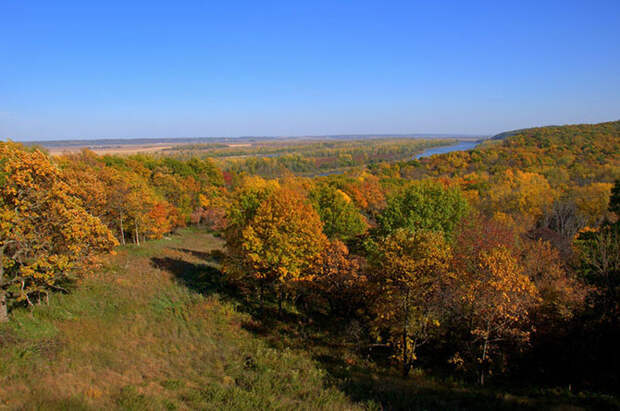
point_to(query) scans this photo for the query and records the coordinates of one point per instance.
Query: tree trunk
(4, 312)
(332, 309)
(280, 298)
(137, 235)
(484, 354)
(405, 336)
(122, 230)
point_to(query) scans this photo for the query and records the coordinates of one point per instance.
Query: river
(460, 146)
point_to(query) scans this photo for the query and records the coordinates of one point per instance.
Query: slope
(147, 332)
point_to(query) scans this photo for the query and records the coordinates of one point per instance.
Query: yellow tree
(82, 172)
(495, 297)
(176, 190)
(118, 188)
(139, 201)
(521, 192)
(592, 201)
(410, 273)
(45, 233)
(246, 199)
(283, 240)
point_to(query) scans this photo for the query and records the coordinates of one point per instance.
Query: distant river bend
(460, 146)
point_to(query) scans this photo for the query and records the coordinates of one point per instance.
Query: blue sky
(231, 68)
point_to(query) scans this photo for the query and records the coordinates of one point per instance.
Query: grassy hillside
(146, 333)
(158, 329)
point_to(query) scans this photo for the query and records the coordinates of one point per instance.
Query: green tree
(423, 205)
(341, 219)
(599, 264)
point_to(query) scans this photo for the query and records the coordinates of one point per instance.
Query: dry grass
(143, 334)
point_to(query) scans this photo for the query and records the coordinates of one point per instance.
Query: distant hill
(583, 138)
(503, 135)
(574, 154)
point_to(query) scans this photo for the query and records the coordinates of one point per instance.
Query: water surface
(460, 146)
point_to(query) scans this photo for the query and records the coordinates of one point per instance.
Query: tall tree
(410, 272)
(494, 298)
(281, 242)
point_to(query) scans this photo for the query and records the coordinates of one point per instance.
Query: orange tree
(339, 281)
(494, 298)
(122, 199)
(45, 233)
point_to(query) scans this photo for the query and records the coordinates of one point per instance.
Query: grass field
(137, 336)
(157, 328)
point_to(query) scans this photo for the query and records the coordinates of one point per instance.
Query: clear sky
(115, 69)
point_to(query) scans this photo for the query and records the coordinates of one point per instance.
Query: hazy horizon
(317, 136)
(300, 136)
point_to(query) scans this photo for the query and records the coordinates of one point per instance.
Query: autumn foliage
(499, 261)
(45, 232)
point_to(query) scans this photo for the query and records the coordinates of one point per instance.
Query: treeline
(277, 159)
(143, 197)
(478, 263)
(58, 213)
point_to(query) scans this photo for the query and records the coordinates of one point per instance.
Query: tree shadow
(417, 392)
(214, 256)
(202, 278)
(363, 381)
(368, 378)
